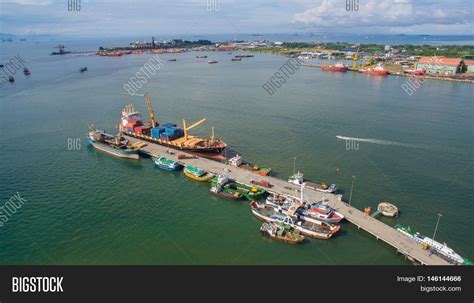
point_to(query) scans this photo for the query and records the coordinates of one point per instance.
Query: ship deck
(404, 245)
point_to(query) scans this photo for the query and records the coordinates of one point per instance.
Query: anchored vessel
(168, 134)
(378, 70)
(441, 249)
(338, 67)
(114, 145)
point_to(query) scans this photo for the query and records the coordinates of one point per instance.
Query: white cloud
(380, 13)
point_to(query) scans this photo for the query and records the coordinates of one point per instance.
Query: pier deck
(408, 247)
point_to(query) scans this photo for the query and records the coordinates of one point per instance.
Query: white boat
(442, 249)
(236, 160)
(298, 179)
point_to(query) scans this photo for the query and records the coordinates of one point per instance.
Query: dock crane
(356, 57)
(186, 128)
(149, 106)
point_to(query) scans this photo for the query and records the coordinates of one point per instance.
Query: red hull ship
(379, 70)
(338, 67)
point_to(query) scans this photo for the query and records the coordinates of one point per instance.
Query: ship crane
(186, 128)
(149, 106)
(356, 57)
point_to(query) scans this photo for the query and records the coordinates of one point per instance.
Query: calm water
(86, 207)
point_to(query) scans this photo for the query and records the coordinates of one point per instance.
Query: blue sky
(189, 17)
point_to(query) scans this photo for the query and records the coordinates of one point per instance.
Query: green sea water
(86, 207)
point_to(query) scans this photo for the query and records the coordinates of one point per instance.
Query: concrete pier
(408, 247)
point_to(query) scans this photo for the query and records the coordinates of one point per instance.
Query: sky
(115, 18)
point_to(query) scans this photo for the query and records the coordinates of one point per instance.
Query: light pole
(294, 165)
(436, 228)
(352, 187)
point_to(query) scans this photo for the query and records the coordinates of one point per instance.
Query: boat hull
(130, 154)
(205, 178)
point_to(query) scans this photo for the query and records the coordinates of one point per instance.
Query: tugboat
(114, 145)
(26, 71)
(197, 174)
(166, 163)
(281, 232)
(379, 70)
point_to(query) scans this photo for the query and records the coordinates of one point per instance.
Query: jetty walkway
(403, 244)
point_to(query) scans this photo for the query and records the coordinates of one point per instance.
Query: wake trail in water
(377, 141)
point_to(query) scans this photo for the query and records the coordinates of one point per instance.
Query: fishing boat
(281, 232)
(114, 145)
(197, 174)
(338, 67)
(378, 70)
(212, 62)
(298, 179)
(441, 249)
(219, 188)
(26, 71)
(320, 211)
(166, 163)
(268, 214)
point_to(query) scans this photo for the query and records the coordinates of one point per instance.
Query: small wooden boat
(387, 209)
(281, 232)
(197, 174)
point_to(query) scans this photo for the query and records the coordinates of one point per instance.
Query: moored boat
(114, 145)
(320, 231)
(281, 232)
(298, 179)
(378, 70)
(166, 163)
(441, 249)
(197, 174)
(320, 211)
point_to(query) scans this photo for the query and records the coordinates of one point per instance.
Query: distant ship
(61, 50)
(212, 62)
(26, 71)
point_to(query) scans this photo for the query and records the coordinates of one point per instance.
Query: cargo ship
(168, 134)
(114, 145)
(338, 67)
(429, 244)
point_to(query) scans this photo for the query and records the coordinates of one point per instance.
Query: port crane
(186, 128)
(149, 106)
